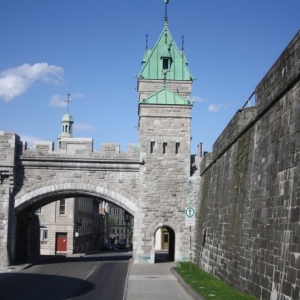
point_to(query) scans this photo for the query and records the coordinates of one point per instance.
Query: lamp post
(127, 219)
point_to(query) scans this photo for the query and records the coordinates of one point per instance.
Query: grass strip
(208, 286)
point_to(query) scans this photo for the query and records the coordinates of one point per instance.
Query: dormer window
(166, 63)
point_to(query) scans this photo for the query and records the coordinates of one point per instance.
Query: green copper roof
(165, 96)
(165, 47)
(67, 118)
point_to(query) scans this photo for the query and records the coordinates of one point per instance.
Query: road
(97, 276)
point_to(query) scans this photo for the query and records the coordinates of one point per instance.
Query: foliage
(111, 224)
(208, 286)
(130, 232)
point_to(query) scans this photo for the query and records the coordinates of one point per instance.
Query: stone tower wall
(9, 143)
(248, 222)
(147, 87)
(164, 185)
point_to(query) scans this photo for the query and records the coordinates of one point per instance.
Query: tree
(111, 224)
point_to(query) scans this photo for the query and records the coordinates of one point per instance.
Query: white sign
(190, 216)
(190, 222)
(190, 212)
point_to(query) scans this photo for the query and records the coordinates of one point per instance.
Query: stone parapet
(206, 161)
(283, 74)
(8, 143)
(79, 147)
(234, 128)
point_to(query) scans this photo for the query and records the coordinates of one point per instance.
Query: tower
(164, 87)
(66, 125)
(165, 62)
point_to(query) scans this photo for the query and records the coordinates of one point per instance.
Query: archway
(164, 244)
(30, 231)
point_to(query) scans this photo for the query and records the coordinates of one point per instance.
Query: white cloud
(75, 96)
(60, 101)
(195, 98)
(16, 81)
(83, 127)
(216, 108)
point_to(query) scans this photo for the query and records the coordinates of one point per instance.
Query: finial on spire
(165, 79)
(68, 102)
(182, 47)
(146, 41)
(166, 11)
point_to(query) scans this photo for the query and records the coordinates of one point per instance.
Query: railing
(248, 102)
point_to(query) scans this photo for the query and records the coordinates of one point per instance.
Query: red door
(61, 242)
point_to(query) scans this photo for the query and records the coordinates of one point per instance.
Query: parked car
(122, 244)
(108, 246)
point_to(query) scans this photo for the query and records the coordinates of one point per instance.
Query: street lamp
(127, 219)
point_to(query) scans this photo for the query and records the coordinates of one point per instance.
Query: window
(165, 147)
(166, 238)
(152, 145)
(44, 234)
(165, 63)
(177, 145)
(62, 206)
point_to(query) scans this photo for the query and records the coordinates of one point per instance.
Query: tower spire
(166, 12)
(146, 41)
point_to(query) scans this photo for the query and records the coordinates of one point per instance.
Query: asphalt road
(97, 276)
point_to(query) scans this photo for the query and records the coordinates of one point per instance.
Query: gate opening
(164, 244)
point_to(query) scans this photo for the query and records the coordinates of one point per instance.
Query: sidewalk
(155, 282)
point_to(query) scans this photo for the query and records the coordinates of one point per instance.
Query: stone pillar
(8, 143)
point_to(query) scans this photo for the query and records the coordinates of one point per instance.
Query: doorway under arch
(164, 244)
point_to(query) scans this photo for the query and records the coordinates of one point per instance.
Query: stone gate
(154, 181)
(31, 178)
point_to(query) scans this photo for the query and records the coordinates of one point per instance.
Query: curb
(186, 286)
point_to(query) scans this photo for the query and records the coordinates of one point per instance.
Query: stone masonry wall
(248, 221)
(147, 88)
(8, 145)
(165, 176)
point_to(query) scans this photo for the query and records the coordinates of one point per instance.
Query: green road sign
(190, 212)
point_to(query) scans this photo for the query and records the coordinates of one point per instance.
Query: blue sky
(93, 50)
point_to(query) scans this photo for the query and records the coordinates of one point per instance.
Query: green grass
(208, 286)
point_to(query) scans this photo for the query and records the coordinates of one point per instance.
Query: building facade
(68, 226)
(119, 227)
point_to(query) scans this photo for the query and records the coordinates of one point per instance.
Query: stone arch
(113, 194)
(154, 226)
(158, 223)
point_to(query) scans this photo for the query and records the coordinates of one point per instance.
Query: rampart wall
(248, 221)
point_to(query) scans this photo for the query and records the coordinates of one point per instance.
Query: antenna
(68, 102)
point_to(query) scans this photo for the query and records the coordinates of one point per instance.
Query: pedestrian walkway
(155, 282)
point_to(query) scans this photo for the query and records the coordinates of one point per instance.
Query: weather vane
(166, 10)
(147, 41)
(68, 102)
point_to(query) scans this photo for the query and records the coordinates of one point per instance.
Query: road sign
(190, 222)
(190, 216)
(190, 212)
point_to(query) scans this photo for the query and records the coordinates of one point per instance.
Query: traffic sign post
(190, 216)
(190, 221)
